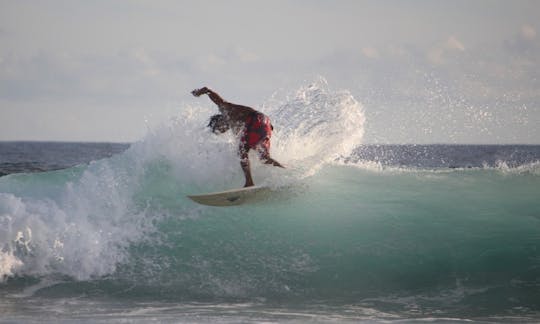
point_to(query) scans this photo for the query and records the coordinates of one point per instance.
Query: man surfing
(253, 126)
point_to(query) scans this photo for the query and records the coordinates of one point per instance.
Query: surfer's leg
(264, 154)
(244, 163)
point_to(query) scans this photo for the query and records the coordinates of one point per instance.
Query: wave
(500, 166)
(80, 222)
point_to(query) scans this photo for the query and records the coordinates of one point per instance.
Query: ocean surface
(94, 232)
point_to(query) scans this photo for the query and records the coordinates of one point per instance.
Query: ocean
(100, 232)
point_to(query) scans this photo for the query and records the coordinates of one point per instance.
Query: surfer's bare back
(254, 127)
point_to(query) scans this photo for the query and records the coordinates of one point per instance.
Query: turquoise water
(452, 243)
(340, 239)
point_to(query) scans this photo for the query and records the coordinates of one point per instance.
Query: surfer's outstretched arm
(211, 94)
(222, 104)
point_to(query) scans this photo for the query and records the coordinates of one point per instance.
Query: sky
(425, 71)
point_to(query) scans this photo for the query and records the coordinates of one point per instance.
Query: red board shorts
(256, 135)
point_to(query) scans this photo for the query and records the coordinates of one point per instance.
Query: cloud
(528, 32)
(124, 77)
(246, 56)
(148, 65)
(226, 58)
(524, 44)
(440, 53)
(370, 52)
(454, 44)
(435, 56)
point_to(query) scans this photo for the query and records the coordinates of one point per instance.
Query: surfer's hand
(198, 92)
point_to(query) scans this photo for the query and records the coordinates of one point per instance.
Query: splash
(316, 126)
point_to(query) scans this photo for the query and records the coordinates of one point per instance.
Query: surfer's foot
(273, 162)
(249, 185)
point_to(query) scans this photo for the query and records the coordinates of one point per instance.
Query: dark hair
(218, 124)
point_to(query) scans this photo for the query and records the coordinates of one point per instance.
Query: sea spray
(317, 125)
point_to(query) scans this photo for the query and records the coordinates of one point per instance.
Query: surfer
(253, 126)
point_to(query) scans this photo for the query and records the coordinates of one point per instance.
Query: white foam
(81, 232)
(532, 168)
(500, 166)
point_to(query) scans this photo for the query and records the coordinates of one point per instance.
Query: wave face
(343, 227)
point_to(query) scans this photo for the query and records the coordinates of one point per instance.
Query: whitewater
(351, 234)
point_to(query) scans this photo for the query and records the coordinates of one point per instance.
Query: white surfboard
(231, 197)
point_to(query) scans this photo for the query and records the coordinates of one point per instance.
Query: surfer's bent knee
(244, 161)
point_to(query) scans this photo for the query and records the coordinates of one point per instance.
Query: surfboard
(231, 197)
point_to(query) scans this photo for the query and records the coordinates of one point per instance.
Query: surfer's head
(218, 124)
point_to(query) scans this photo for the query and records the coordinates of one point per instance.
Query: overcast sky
(425, 71)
